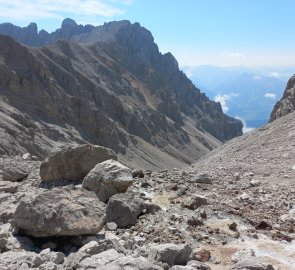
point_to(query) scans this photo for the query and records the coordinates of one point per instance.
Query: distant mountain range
(249, 94)
(107, 85)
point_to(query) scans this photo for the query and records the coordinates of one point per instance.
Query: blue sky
(198, 32)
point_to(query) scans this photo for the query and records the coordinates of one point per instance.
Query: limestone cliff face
(110, 86)
(287, 102)
(134, 48)
(30, 36)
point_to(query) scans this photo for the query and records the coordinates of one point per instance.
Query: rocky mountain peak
(33, 28)
(110, 86)
(70, 23)
(287, 102)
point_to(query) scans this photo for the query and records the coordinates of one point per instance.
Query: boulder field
(114, 218)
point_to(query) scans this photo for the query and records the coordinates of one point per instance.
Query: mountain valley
(111, 158)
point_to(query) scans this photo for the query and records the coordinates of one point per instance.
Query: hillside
(232, 210)
(106, 85)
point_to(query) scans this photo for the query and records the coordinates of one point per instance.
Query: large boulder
(94, 247)
(251, 264)
(74, 162)
(100, 260)
(124, 208)
(60, 212)
(108, 178)
(14, 174)
(111, 259)
(171, 254)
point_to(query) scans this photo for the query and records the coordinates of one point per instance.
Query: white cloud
(44, 9)
(188, 71)
(246, 129)
(235, 55)
(222, 99)
(278, 74)
(270, 95)
(125, 2)
(257, 77)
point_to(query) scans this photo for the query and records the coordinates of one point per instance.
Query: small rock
(197, 202)
(195, 221)
(54, 257)
(91, 248)
(8, 187)
(255, 183)
(203, 214)
(237, 176)
(124, 208)
(244, 196)
(249, 174)
(24, 266)
(138, 240)
(26, 156)
(263, 225)
(171, 254)
(146, 184)
(202, 255)
(203, 178)
(138, 173)
(233, 226)
(148, 172)
(48, 266)
(111, 226)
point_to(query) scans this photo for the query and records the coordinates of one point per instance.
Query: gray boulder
(202, 178)
(73, 162)
(195, 266)
(8, 187)
(130, 263)
(99, 261)
(51, 256)
(251, 264)
(112, 260)
(92, 248)
(124, 208)
(14, 174)
(171, 254)
(60, 211)
(108, 178)
(196, 202)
